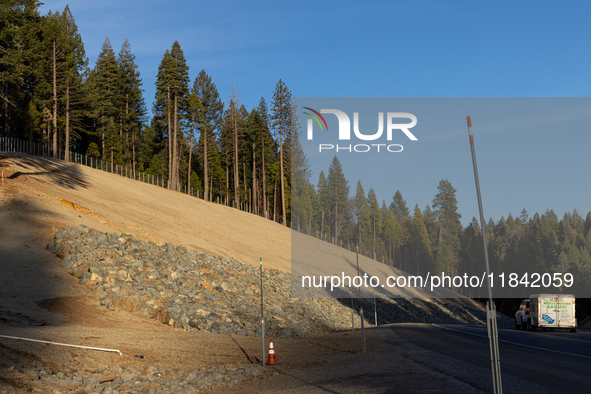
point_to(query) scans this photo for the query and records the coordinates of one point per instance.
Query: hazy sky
(386, 49)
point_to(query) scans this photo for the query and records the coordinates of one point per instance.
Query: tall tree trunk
(227, 179)
(211, 189)
(67, 144)
(336, 215)
(235, 144)
(275, 200)
(103, 155)
(205, 175)
(284, 219)
(190, 152)
(169, 136)
(127, 130)
(6, 111)
(254, 172)
(175, 155)
(263, 177)
(54, 102)
(133, 153)
(112, 143)
(5, 107)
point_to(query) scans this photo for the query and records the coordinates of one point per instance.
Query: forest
(433, 239)
(248, 159)
(188, 136)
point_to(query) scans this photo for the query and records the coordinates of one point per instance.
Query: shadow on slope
(58, 172)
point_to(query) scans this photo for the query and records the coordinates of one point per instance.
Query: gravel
(198, 291)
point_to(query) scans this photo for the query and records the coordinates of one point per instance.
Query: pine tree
(375, 216)
(267, 149)
(424, 255)
(445, 210)
(338, 191)
(132, 97)
(171, 92)
(300, 180)
(362, 214)
(323, 202)
(74, 70)
(398, 206)
(392, 235)
(20, 60)
(196, 120)
(281, 120)
(213, 109)
(107, 83)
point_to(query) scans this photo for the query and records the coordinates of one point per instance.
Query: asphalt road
(536, 361)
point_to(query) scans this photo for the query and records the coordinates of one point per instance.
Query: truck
(547, 311)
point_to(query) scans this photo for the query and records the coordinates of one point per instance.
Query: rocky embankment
(202, 292)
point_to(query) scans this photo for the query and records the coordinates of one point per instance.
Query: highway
(531, 361)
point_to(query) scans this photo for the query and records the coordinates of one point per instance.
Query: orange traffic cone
(271, 360)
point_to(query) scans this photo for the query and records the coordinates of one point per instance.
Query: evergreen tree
(171, 93)
(398, 206)
(392, 235)
(281, 120)
(107, 85)
(300, 181)
(375, 217)
(75, 66)
(196, 120)
(213, 109)
(20, 63)
(362, 214)
(338, 191)
(423, 253)
(133, 116)
(445, 208)
(323, 203)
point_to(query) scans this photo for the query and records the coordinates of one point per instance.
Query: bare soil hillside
(38, 299)
(76, 194)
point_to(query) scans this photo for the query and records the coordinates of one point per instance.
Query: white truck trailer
(547, 311)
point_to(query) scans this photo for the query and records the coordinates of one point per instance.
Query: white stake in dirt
(262, 313)
(63, 344)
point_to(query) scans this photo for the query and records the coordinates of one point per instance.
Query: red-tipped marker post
(491, 314)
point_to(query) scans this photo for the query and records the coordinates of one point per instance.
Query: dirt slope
(110, 202)
(38, 299)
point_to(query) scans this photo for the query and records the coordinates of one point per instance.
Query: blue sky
(385, 49)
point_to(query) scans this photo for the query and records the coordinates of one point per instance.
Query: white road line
(514, 343)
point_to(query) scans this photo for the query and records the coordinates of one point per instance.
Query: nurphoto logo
(345, 130)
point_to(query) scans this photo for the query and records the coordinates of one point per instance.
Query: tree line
(193, 139)
(433, 239)
(251, 160)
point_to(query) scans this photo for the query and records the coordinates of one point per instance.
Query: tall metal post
(360, 304)
(491, 315)
(262, 314)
